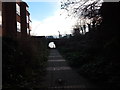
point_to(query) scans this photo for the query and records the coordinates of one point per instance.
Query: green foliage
(94, 57)
(24, 62)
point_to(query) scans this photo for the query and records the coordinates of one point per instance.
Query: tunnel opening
(51, 45)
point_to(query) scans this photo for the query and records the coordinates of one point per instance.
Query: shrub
(24, 62)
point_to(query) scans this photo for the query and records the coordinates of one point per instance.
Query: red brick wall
(0, 18)
(9, 24)
(23, 19)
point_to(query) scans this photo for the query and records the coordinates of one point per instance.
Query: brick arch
(52, 40)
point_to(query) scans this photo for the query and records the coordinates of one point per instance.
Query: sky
(47, 19)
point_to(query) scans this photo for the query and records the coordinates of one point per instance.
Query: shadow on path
(60, 75)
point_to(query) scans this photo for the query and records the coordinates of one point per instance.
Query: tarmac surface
(61, 75)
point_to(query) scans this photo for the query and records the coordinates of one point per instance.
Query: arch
(52, 45)
(52, 40)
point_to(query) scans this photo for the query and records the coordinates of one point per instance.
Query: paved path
(60, 75)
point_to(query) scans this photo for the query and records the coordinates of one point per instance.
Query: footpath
(61, 75)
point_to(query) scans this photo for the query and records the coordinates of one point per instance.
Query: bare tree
(83, 9)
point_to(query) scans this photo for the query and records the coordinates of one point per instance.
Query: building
(0, 18)
(15, 19)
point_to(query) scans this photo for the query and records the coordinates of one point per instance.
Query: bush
(94, 56)
(24, 62)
